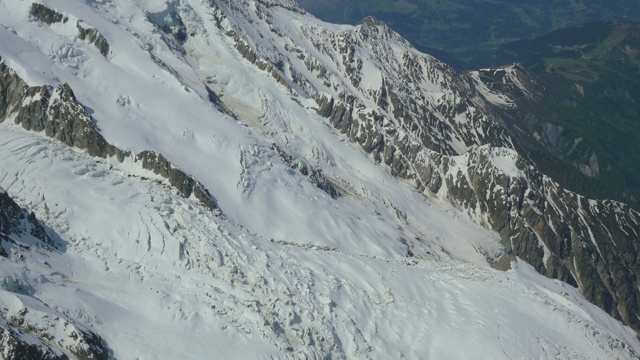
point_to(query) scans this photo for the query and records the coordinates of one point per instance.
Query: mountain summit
(237, 179)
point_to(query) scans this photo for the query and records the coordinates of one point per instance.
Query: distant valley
(466, 33)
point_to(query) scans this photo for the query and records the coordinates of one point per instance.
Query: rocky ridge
(417, 116)
(57, 112)
(587, 243)
(16, 224)
(87, 33)
(368, 262)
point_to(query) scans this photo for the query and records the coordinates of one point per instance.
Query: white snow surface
(505, 161)
(287, 271)
(490, 95)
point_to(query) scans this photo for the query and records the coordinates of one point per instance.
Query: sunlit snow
(286, 271)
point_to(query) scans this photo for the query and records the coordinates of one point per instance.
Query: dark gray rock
(590, 244)
(12, 90)
(58, 113)
(49, 16)
(92, 36)
(594, 245)
(16, 223)
(15, 346)
(185, 184)
(218, 103)
(33, 113)
(46, 15)
(68, 121)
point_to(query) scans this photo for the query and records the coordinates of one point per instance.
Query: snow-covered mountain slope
(411, 112)
(160, 277)
(207, 194)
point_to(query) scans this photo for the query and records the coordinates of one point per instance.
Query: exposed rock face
(590, 244)
(219, 104)
(46, 15)
(15, 223)
(184, 183)
(416, 116)
(57, 112)
(92, 36)
(15, 345)
(87, 33)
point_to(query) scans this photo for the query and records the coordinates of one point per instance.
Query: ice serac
(443, 131)
(296, 127)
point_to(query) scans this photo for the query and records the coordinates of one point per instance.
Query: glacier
(283, 269)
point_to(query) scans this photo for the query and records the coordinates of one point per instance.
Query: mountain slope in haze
(472, 30)
(345, 216)
(587, 114)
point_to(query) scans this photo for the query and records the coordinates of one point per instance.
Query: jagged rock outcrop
(92, 36)
(57, 112)
(359, 75)
(16, 223)
(15, 344)
(184, 183)
(218, 103)
(46, 15)
(87, 33)
(587, 243)
(417, 116)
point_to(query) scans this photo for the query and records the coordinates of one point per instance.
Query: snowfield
(285, 271)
